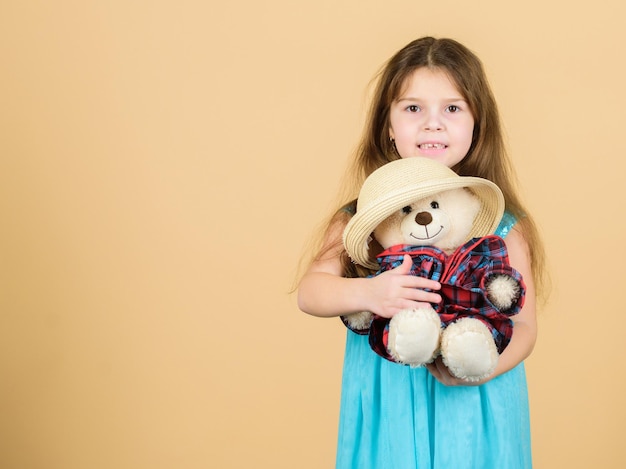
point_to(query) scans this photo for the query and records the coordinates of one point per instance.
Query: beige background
(162, 164)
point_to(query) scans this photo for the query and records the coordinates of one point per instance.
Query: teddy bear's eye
(406, 210)
(434, 204)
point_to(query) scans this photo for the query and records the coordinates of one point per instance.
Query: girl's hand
(396, 290)
(441, 373)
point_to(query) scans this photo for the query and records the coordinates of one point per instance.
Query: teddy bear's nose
(423, 218)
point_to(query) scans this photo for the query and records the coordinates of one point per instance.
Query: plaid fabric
(462, 275)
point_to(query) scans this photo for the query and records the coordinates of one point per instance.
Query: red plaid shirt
(462, 276)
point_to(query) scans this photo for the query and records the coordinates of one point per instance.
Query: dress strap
(349, 208)
(506, 224)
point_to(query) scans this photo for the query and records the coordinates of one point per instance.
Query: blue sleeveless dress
(397, 417)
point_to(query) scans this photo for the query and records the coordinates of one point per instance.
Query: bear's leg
(468, 349)
(414, 336)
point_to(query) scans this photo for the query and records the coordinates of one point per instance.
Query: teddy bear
(445, 223)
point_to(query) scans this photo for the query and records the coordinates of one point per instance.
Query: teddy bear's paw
(358, 322)
(414, 336)
(503, 291)
(468, 349)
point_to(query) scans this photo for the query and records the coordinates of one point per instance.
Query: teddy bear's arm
(504, 291)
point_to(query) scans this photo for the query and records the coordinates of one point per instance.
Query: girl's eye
(434, 204)
(406, 210)
(453, 108)
(413, 108)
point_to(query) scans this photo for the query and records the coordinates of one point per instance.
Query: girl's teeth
(428, 146)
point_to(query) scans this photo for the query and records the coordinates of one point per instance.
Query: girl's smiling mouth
(432, 146)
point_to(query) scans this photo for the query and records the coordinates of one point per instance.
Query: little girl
(432, 100)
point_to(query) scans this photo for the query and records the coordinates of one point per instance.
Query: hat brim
(360, 228)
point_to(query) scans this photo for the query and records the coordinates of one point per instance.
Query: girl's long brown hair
(487, 156)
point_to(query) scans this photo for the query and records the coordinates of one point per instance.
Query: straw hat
(401, 182)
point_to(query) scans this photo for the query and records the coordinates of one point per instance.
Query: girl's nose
(433, 122)
(423, 218)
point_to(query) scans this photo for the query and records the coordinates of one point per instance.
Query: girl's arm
(525, 322)
(325, 292)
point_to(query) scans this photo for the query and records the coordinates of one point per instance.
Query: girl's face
(431, 118)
